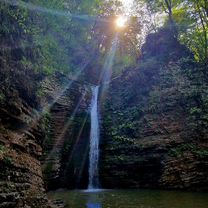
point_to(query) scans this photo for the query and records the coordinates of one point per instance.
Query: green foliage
(45, 120)
(45, 123)
(199, 119)
(192, 148)
(150, 64)
(182, 83)
(14, 20)
(122, 62)
(189, 22)
(2, 149)
(2, 98)
(48, 169)
(122, 124)
(7, 160)
(40, 92)
(53, 37)
(66, 148)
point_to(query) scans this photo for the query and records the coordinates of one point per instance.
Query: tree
(188, 20)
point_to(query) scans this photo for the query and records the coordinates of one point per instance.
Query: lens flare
(121, 21)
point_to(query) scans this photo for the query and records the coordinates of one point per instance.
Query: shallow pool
(131, 199)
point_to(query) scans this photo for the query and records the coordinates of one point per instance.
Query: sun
(121, 21)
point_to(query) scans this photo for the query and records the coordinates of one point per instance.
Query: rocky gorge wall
(154, 133)
(66, 146)
(36, 141)
(151, 137)
(42, 119)
(21, 133)
(34, 111)
(21, 173)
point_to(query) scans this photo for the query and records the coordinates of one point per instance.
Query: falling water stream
(94, 142)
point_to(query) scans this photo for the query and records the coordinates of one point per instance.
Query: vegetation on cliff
(153, 118)
(151, 62)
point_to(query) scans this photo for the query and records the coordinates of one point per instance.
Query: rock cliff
(154, 125)
(66, 145)
(37, 115)
(37, 134)
(21, 136)
(149, 134)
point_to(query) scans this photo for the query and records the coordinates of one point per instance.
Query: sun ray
(76, 143)
(32, 7)
(58, 145)
(83, 163)
(108, 64)
(37, 115)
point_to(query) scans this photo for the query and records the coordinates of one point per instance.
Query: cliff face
(34, 110)
(21, 174)
(43, 125)
(42, 133)
(40, 114)
(21, 135)
(66, 145)
(154, 127)
(152, 136)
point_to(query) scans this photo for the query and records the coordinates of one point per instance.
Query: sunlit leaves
(189, 19)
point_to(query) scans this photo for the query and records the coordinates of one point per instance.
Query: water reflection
(131, 199)
(93, 199)
(94, 205)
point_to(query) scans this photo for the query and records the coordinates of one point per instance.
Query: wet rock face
(66, 148)
(47, 134)
(186, 172)
(21, 132)
(20, 152)
(147, 135)
(35, 119)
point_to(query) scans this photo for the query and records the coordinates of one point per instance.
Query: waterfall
(94, 142)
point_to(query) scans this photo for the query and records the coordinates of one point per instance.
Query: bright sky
(127, 5)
